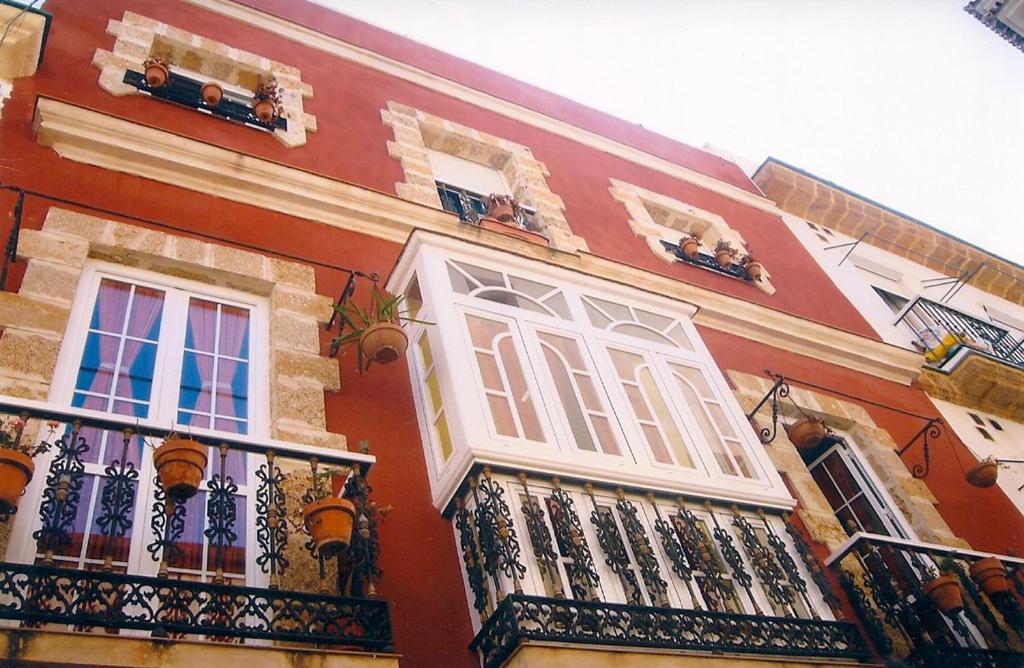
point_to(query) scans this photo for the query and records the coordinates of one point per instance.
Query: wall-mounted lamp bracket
(779, 390)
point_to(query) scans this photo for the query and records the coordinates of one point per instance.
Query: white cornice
(341, 49)
(94, 138)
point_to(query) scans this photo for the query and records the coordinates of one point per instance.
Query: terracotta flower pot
(157, 75)
(329, 521)
(384, 342)
(690, 247)
(503, 211)
(212, 93)
(513, 230)
(180, 464)
(264, 110)
(754, 270)
(806, 433)
(944, 591)
(984, 473)
(724, 258)
(16, 469)
(990, 574)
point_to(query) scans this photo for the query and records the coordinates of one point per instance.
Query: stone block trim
(139, 37)
(415, 131)
(981, 383)
(913, 498)
(655, 218)
(35, 319)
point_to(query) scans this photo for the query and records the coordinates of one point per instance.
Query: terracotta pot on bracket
(157, 75)
(990, 574)
(806, 433)
(16, 469)
(265, 110)
(329, 521)
(384, 342)
(690, 247)
(944, 592)
(212, 93)
(983, 474)
(181, 465)
(724, 258)
(754, 270)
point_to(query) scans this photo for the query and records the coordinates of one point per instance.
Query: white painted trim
(341, 49)
(954, 552)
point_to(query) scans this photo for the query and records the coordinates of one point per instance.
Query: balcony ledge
(976, 380)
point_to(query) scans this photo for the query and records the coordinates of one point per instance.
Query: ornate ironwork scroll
(364, 553)
(969, 586)
(495, 533)
(583, 577)
(63, 491)
(817, 574)
(220, 513)
(471, 557)
(700, 552)
(732, 557)
(865, 608)
(271, 527)
(768, 572)
(932, 429)
(168, 524)
(117, 500)
(540, 538)
(673, 549)
(779, 390)
(787, 563)
(650, 571)
(616, 556)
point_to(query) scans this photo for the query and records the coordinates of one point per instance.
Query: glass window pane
(570, 403)
(520, 392)
(697, 408)
(460, 282)
(232, 388)
(234, 332)
(201, 332)
(482, 331)
(527, 287)
(638, 403)
(196, 392)
(825, 485)
(658, 322)
(668, 425)
(96, 372)
(558, 304)
(642, 332)
(444, 436)
(657, 445)
(435, 392)
(502, 414)
(481, 275)
(605, 435)
(616, 311)
(588, 391)
(147, 306)
(567, 347)
(135, 377)
(598, 319)
(111, 306)
(844, 479)
(489, 371)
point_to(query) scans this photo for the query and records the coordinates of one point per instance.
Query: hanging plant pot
(724, 258)
(212, 93)
(690, 247)
(754, 270)
(16, 469)
(384, 342)
(157, 75)
(180, 464)
(329, 522)
(265, 110)
(944, 591)
(990, 574)
(984, 473)
(806, 433)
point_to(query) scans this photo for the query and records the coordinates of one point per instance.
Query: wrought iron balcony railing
(706, 261)
(940, 330)
(976, 619)
(92, 496)
(470, 207)
(573, 563)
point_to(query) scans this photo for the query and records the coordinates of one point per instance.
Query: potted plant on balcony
(690, 245)
(328, 518)
(984, 473)
(505, 215)
(212, 93)
(266, 101)
(807, 432)
(944, 590)
(181, 465)
(16, 466)
(157, 72)
(724, 253)
(990, 574)
(751, 267)
(376, 332)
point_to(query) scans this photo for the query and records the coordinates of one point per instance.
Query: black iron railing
(886, 580)
(940, 331)
(470, 207)
(520, 618)
(706, 261)
(51, 592)
(188, 93)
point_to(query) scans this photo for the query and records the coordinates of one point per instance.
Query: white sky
(912, 103)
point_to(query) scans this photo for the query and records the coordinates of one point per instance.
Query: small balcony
(971, 617)
(577, 568)
(111, 554)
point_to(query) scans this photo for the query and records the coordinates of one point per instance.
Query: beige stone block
(299, 365)
(296, 433)
(52, 247)
(188, 250)
(808, 492)
(237, 261)
(140, 20)
(823, 527)
(301, 403)
(139, 239)
(51, 281)
(72, 223)
(917, 488)
(309, 122)
(24, 388)
(300, 302)
(28, 355)
(292, 274)
(926, 519)
(29, 313)
(291, 331)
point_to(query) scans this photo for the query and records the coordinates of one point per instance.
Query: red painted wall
(351, 143)
(986, 518)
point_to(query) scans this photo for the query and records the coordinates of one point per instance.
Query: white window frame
(163, 401)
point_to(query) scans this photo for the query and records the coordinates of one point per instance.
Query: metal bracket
(779, 389)
(346, 292)
(931, 430)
